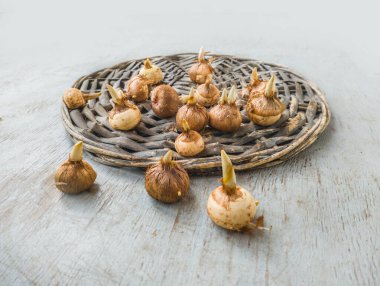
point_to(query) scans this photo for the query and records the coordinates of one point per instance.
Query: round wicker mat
(305, 118)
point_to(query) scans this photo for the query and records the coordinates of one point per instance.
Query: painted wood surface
(323, 205)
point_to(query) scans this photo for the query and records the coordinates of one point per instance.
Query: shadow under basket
(306, 116)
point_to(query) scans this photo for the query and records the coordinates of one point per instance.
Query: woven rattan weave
(305, 118)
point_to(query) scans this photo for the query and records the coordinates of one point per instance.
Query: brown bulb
(74, 98)
(75, 175)
(195, 114)
(201, 70)
(137, 89)
(189, 142)
(226, 115)
(167, 181)
(266, 109)
(165, 101)
(207, 94)
(255, 87)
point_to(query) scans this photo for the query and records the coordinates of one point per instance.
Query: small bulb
(125, 115)
(266, 109)
(151, 72)
(189, 142)
(195, 114)
(167, 181)
(230, 206)
(200, 71)
(226, 115)
(75, 175)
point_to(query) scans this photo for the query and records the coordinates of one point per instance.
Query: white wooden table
(323, 205)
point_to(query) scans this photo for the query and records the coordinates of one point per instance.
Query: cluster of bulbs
(229, 205)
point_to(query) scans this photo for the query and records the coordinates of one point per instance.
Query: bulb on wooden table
(231, 206)
(75, 175)
(207, 93)
(74, 98)
(195, 114)
(125, 115)
(189, 142)
(201, 70)
(167, 181)
(151, 72)
(226, 115)
(265, 109)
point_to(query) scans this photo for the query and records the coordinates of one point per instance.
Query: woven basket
(305, 118)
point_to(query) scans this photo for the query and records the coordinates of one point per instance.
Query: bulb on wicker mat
(195, 114)
(137, 88)
(231, 206)
(255, 87)
(189, 142)
(201, 70)
(226, 115)
(125, 115)
(152, 72)
(265, 109)
(164, 100)
(167, 181)
(74, 98)
(75, 175)
(207, 93)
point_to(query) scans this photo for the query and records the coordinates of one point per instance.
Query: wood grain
(323, 205)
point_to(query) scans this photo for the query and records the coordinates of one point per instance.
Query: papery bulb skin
(165, 101)
(226, 116)
(207, 94)
(74, 98)
(230, 206)
(266, 109)
(75, 175)
(151, 72)
(137, 89)
(189, 142)
(167, 181)
(255, 87)
(200, 71)
(124, 115)
(195, 114)
(232, 212)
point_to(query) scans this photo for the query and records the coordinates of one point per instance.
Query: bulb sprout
(201, 55)
(88, 96)
(271, 87)
(116, 96)
(148, 63)
(229, 177)
(254, 75)
(224, 97)
(185, 125)
(168, 157)
(191, 97)
(77, 152)
(232, 95)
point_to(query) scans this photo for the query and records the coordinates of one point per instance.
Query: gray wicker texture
(306, 116)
